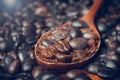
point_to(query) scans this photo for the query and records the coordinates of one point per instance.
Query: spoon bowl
(62, 67)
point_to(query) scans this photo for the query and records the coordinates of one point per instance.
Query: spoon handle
(93, 10)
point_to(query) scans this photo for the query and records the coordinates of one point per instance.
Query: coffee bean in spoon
(47, 42)
(79, 43)
(47, 53)
(62, 46)
(75, 33)
(63, 57)
(89, 35)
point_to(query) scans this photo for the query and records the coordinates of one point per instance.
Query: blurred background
(22, 22)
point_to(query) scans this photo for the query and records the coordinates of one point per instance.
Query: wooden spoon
(89, 20)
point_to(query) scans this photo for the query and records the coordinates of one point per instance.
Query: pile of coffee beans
(22, 24)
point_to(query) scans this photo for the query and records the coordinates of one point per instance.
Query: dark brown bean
(63, 57)
(78, 43)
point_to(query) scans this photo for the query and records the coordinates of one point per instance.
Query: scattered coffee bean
(8, 60)
(13, 67)
(73, 73)
(106, 72)
(27, 65)
(93, 68)
(23, 55)
(37, 71)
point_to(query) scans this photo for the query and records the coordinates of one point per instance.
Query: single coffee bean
(23, 55)
(2, 55)
(118, 50)
(31, 40)
(3, 45)
(8, 60)
(62, 46)
(109, 63)
(47, 42)
(75, 33)
(73, 73)
(37, 71)
(27, 65)
(78, 24)
(60, 33)
(31, 54)
(16, 36)
(13, 66)
(78, 43)
(105, 72)
(89, 35)
(102, 27)
(63, 57)
(92, 68)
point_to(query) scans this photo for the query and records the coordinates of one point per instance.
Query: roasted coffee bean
(63, 57)
(3, 45)
(22, 76)
(86, 30)
(8, 60)
(105, 72)
(37, 71)
(47, 53)
(109, 63)
(118, 50)
(31, 40)
(60, 34)
(89, 35)
(78, 24)
(31, 54)
(16, 36)
(75, 33)
(47, 42)
(13, 66)
(62, 46)
(41, 11)
(73, 73)
(28, 31)
(47, 76)
(93, 68)
(27, 65)
(102, 27)
(2, 55)
(23, 55)
(49, 22)
(78, 43)
(13, 54)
